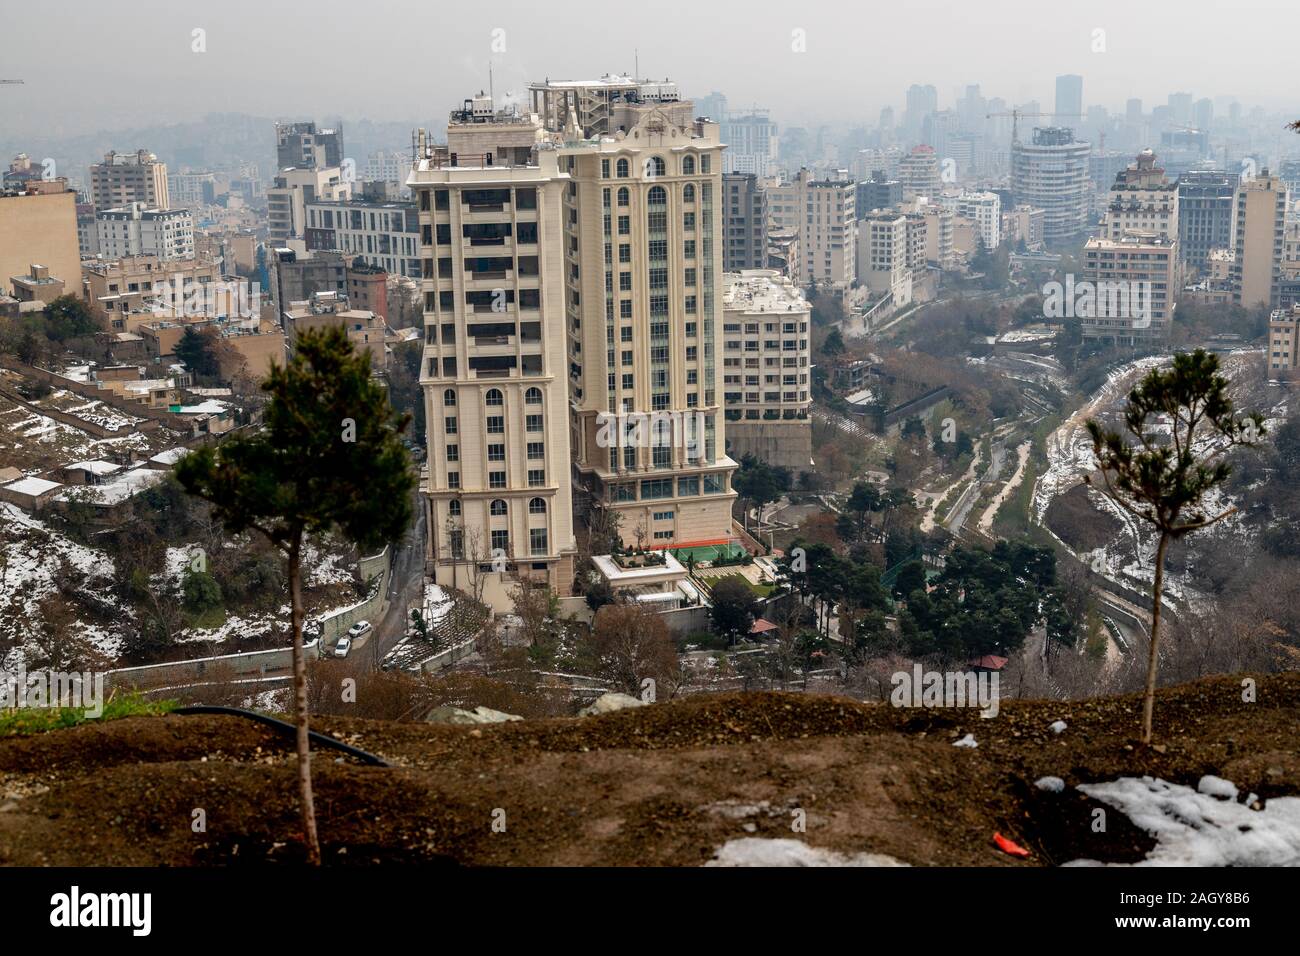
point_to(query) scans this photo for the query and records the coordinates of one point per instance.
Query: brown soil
(663, 785)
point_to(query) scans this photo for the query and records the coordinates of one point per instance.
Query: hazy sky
(113, 63)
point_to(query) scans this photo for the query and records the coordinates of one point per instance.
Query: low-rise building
(366, 330)
(135, 230)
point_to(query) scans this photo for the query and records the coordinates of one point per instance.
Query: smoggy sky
(106, 65)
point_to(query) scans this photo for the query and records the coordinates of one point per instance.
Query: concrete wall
(785, 444)
(40, 230)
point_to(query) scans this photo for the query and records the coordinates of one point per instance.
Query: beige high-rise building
(823, 211)
(919, 173)
(1142, 201)
(882, 255)
(125, 178)
(497, 486)
(1284, 344)
(1260, 240)
(40, 225)
(1129, 296)
(643, 214)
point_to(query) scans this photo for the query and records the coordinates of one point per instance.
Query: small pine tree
(1164, 484)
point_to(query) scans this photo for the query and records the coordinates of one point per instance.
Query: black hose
(285, 728)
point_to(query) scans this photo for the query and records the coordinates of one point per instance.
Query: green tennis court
(707, 553)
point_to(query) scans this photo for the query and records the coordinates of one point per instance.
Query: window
(622, 169)
(458, 545)
(496, 479)
(623, 195)
(688, 165)
(494, 397)
(537, 506)
(500, 542)
(449, 397)
(533, 396)
(624, 252)
(688, 193)
(498, 507)
(453, 479)
(496, 424)
(536, 450)
(449, 425)
(453, 453)
(655, 167)
(604, 169)
(658, 196)
(496, 452)
(704, 164)
(663, 516)
(537, 541)
(536, 477)
(656, 488)
(453, 508)
(533, 423)
(624, 225)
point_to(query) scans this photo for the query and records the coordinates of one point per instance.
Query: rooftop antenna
(491, 89)
(636, 63)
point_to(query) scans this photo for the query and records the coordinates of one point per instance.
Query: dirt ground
(662, 785)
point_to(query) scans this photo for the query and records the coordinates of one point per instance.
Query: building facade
(1129, 298)
(137, 231)
(1206, 216)
(126, 178)
(1051, 172)
(745, 214)
(1259, 244)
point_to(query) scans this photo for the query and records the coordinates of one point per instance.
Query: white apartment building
(384, 234)
(497, 484)
(883, 255)
(985, 210)
(388, 167)
(125, 178)
(188, 190)
(294, 188)
(1051, 172)
(823, 212)
(136, 231)
(766, 368)
(751, 141)
(919, 173)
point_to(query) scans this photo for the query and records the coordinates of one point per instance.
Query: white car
(359, 628)
(342, 647)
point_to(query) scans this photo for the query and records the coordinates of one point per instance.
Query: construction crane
(14, 82)
(1015, 119)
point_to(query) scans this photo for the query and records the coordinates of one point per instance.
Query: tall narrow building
(497, 485)
(1051, 172)
(1260, 240)
(643, 217)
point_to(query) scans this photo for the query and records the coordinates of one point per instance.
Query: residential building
(643, 258)
(745, 214)
(985, 210)
(391, 166)
(126, 178)
(497, 486)
(766, 368)
(365, 329)
(21, 171)
(383, 234)
(1051, 172)
(1261, 204)
(1025, 222)
(40, 224)
(939, 250)
(37, 286)
(883, 255)
(877, 192)
(1206, 213)
(1142, 202)
(189, 190)
(303, 146)
(1130, 297)
(1284, 344)
(823, 211)
(751, 141)
(919, 173)
(135, 230)
(296, 187)
(1069, 99)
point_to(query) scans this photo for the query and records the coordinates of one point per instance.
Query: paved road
(405, 586)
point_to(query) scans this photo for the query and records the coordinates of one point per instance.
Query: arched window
(449, 397)
(622, 168)
(536, 506)
(688, 192)
(622, 196)
(494, 397)
(498, 507)
(453, 508)
(655, 167)
(658, 196)
(533, 396)
(688, 165)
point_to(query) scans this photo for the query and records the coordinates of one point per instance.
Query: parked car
(359, 628)
(342, 647)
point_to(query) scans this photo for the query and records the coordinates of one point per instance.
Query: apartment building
(918, 242)
(1025, 222)
(1051, 172)
(135, 230)
(1206, 215)
(1284, 344)
(883, 255)
(824, 212)
(188, 190)
(751, 140)
(1129, 296)
(984, 209)
(382, 234)
(294, 188)
(878, 192)
(919, 173)
(1142, 201)
(745, 214)
(39, 224)
(939, 227)
(303, 146)
(1259, 244)
(126, 178)
(766, 366)
(324, 310)
(498, 488)
(643, 249)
